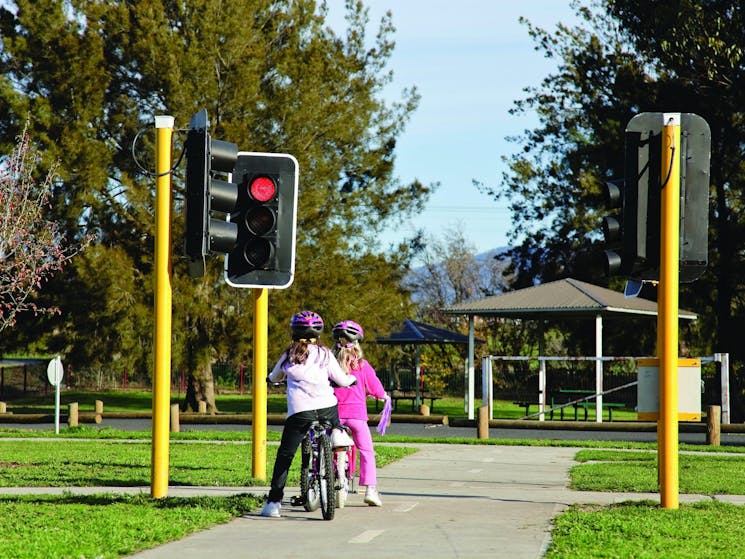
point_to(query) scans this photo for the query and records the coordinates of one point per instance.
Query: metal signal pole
(261, 327)
(667, 319)
(163, 306)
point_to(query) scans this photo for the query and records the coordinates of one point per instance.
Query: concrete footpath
(444, 501)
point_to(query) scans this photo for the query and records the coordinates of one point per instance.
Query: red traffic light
(262, 189)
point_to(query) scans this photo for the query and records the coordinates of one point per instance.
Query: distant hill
(490, 264)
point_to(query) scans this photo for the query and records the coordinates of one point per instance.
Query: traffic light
(634, 239)
(206, 193)
(633, 236)
(265, 217)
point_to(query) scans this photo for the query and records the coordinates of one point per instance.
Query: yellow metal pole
(668, 308)
(261, 328)
(162, 376)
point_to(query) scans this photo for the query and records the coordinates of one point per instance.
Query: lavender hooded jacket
(308, 386)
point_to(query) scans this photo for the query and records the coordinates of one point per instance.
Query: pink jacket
(353, 399)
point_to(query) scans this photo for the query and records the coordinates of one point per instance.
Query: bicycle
(326, 474)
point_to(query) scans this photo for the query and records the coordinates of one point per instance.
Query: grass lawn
(71, 526)
(644, 529)
(112, 526)
(39, 463)
(141, 401)
(606, 470)
(106, 526)
(109, 525)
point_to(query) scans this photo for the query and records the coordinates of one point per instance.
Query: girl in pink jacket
(353, 401)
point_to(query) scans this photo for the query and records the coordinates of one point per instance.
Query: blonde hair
(348, 354)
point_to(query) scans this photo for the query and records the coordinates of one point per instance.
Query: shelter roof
(419, 333)
(11, 362)
(566, 298)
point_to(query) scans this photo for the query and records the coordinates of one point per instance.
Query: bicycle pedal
(296, 501)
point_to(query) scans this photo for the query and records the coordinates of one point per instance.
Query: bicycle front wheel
(326, 477)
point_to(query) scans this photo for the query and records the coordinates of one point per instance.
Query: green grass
(106, 526)
(631, 529)
(112, 526)
(39, 463)
(141, 401)
(643, 530)
(637, 472)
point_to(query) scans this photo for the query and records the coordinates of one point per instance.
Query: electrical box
(689, 389)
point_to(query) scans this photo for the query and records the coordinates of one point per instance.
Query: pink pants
(364, 444)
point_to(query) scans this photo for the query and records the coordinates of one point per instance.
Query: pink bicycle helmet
(306, 324)
(348, 329)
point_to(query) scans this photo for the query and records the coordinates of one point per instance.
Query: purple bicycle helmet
(348, 329)
(306, 324)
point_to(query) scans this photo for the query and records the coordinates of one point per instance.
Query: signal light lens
(260, 220)
(262, 189)
(258, 252)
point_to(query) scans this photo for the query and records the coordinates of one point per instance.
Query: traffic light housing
(265, 216)
(633, 237)
(206, 193)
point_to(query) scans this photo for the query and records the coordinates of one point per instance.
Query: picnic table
(397, 395)
(577, 394)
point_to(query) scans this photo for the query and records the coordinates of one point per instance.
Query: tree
(452, 272)
(631, 57)
(32, 247)
(273, 77)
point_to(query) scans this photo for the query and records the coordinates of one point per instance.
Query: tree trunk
(200, 388)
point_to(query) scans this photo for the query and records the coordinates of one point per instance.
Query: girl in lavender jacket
(353, 401)
(307, 366)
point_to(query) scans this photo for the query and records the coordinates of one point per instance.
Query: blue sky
(470, 60)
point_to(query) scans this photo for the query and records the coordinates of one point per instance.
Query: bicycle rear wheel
(326, 477)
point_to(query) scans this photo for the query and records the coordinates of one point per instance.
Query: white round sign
(55, 371)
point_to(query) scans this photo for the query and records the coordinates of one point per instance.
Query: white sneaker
(340, 438)
(372, 497)
(271, 509)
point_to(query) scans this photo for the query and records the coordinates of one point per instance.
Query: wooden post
(424, 410)
(482, 430)
(72, 415)
(713, 425)
(202, 406)
(3, 407)
(175, 424)
(99, 412)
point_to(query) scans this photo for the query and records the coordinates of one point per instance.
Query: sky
(470, 60)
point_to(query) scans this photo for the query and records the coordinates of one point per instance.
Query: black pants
(292, 435)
